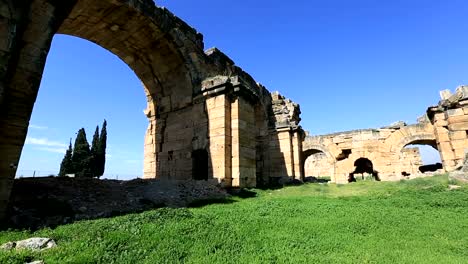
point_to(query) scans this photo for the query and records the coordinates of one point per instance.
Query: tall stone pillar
(218, 107)
(26, 31)
(243, 144)
(286, 141)
(231, 130)
(150, 148)
(297, 139)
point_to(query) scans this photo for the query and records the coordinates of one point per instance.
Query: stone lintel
(243, 89)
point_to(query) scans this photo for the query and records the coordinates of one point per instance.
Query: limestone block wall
(318, 165)
(450, 120)
(410, 161)
(384, 147)
(285, 140)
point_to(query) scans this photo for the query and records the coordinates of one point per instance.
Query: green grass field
(418, 221)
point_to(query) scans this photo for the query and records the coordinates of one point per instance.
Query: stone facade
(337, 153)
(317, 165)
(207, 117)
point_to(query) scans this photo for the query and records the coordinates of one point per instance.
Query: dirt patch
(41, 202)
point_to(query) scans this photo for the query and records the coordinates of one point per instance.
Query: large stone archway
(198, 101)
(164, 52)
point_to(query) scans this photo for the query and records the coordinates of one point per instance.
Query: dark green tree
(82, 158)
(101, 151)
(66, 167)
(94, 152)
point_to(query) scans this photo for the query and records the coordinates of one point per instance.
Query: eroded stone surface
(450, 120)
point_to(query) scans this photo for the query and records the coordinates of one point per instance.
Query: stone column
(150, 149)
(297, 139)
(25, 43)
(243, 143)
(283, 153)
(219, 133)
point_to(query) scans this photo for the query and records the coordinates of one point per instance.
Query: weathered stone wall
(410, 161)
(318, 165)
(384, 147)
(450, 120)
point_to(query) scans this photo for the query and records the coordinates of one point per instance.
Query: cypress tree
(101, 151)
(66, 167)
(94, 152)
(82, 156)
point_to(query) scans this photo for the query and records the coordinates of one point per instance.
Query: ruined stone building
(335, 154)
(208, 119)
(445, 128)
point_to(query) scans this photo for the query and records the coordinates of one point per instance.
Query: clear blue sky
(349, 64)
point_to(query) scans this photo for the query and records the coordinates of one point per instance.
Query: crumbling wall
(410, 161)
(318, 165)
(384, 147)
(450, 120)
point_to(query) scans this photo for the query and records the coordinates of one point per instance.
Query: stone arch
(164, 52)
(422, 133)
(421, 139)
(419, 134)
(311, 149)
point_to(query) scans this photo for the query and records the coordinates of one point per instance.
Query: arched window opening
(364, 167)
(420, 157)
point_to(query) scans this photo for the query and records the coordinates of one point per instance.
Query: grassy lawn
(417, 221)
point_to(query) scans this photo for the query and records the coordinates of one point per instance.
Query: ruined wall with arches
(384, 147)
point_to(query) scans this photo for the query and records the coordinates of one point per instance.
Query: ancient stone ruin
(208, 119)
(335, 154)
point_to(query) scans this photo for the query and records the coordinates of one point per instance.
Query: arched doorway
(420, 156)
(200, 164)
(318, 165)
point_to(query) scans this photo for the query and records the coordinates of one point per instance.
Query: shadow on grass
(41, 217)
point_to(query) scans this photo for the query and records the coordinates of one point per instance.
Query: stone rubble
(35, 244)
